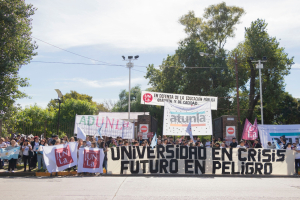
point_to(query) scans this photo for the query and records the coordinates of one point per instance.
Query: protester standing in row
(40, 157)
(12, 162)
(26, 157)
(2, 145)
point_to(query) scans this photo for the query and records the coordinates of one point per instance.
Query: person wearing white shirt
(207, 144)
(88, 142)
(242, 145)
(26, 148)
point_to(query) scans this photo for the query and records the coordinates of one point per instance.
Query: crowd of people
(31, 147)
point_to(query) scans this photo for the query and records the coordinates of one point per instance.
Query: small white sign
(230, 131)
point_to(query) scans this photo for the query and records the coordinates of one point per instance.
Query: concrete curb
(31, 174)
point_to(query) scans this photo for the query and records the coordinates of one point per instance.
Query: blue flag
(276, 144)
(9, 154)
(154, 141)
(189, 131)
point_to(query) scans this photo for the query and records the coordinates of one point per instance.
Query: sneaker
(13, 171)
(6, 171)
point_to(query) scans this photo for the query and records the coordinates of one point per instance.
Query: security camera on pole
(129, 65)
(259, 66)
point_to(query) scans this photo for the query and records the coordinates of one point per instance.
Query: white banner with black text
(173, 159)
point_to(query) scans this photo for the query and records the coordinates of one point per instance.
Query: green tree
(257, 44)
(216, 26)
(16, 49)
(136, 106)
(71, 107)
(75, 95)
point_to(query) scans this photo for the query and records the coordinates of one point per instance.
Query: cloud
(107, 83)
(147, 24)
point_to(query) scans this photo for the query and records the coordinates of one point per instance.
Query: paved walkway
(106, 187)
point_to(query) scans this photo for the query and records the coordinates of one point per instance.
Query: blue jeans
(105, 164)
(40, 161)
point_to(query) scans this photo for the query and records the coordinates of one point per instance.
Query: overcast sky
(106, 30)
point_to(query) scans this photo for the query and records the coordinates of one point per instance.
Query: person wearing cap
(26, 159)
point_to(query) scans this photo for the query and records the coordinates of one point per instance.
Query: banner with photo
(60, 157)
(110, 127)
(90, 160)
(173, 159)
(177, 118)
(267, 133)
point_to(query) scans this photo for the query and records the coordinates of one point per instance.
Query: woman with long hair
(12, 162)
(40, 157)
(26, 148)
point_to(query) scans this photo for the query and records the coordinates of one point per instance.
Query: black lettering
(216, 165)
(215, 151)
(134, 152)
(127, 152)
(171, 169)
(144, 162)
(240, 154)
(163, 165)
(181, 152)
(123, 167)
(177, 151)
(113, 153)
(152, 170)
(141, 154)
(249, 168)
(265, 154)
(187, 166)
(199, 166)
(232, 168)
(149, 152)
(251, 154)
(228, 154)
(192, 151)
(281, 155)
(160, 149)
(258, 168)
(170, 151)
(201, 153)
(137, 168)
(224, 167)
(266, 166)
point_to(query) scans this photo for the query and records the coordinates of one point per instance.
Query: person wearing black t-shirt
(233, 144)
(257, 144)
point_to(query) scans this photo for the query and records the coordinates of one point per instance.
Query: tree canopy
(16, 49)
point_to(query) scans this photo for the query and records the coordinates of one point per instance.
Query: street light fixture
(60, 97)
(129, 65)
(260, 66)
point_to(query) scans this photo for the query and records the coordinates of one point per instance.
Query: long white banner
(177, 118)
(269, 132)
(158, 98)
(110, 127)
(199, 160)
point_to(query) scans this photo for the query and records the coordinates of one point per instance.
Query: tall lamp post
(129, 65)
(260, 66)
(59, 99)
